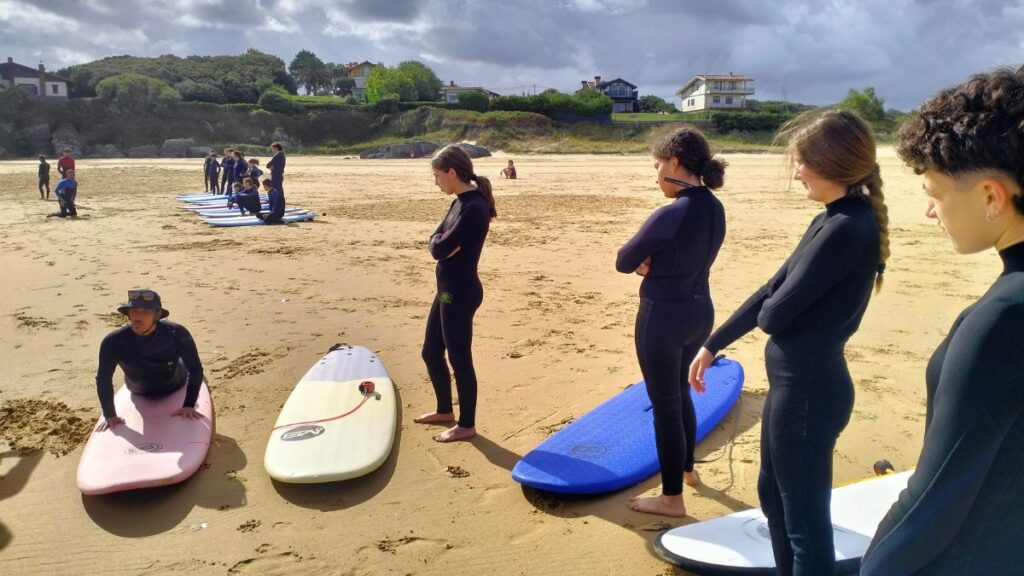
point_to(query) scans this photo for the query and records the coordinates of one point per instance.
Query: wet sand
(553, 339)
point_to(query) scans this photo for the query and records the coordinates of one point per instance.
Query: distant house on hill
(359, 72)
(35, 82)
(450, 93)
(622, 93)
(715, 91)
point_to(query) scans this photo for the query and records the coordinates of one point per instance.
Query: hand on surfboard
(700, 363)
(108, 423)
(187, 413)
(644, 267)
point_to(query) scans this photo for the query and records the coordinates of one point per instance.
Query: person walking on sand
(961, 513)
(674, 251)
(157, 357)
(456, 244)
(44, 178)
(810, 308)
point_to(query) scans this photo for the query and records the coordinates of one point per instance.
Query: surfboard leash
(368, 390)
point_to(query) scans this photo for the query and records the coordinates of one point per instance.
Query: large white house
(715, 91)
(39, 83)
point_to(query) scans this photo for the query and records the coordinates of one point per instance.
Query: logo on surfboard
(589, 451)
(302, 433)
(146, 448)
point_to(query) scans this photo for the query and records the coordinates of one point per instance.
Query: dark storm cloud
(811, 52)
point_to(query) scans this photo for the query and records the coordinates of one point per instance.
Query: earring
(991, 218)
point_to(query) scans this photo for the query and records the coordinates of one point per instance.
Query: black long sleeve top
(465, 226)
(822, 290)
(682, 239)
(145, 358)
(963, 509)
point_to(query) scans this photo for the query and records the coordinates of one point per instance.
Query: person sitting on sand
(509, 172)
(66, 191)
(44, 178)
(456, 244)
(248, 199)
(157, 357)
(275, 201)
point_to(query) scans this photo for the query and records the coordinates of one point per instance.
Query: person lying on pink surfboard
(157, 357)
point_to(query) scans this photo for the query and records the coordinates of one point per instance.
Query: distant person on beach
(254, 171)
(509, 172)
(157, 357)
(275, 204)
(227, 171)
(66, 192)
(276, 166)
(246, 196)
(211, 168)
(44, 178)
(962, 512)
(241, 167)
(674, 251)
(65, 163)
(456, 244)
(810, 308)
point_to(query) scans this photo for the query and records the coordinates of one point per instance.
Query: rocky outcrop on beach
(176, 148)
(418, 149)
(414, 149)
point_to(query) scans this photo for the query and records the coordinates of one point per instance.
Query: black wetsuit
(810, 308)
(963, 509)
(153, 365)
(44, 178)
(275, 207)
(276, 167)
(459, 294)
(675, 316)
(210, 169)
(227, 174)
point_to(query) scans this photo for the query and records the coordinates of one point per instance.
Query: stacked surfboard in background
(212, 208)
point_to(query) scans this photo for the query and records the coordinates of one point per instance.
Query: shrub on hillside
(275, 99)
(137, 94)
(748, 121)
(475, 100)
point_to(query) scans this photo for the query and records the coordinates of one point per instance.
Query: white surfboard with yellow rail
(338, 423)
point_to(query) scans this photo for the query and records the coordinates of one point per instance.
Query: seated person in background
(66, 191)
(276, 200)
(157, 357)
(246, 196)
(509, 172)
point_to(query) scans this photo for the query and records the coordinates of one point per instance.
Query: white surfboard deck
(329, 430)
(739, 543)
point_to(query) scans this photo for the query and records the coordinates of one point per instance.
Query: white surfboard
(739, 543)
(338, 423)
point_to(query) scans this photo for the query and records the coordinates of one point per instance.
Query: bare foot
(435, 418)
(663, 505)
(455, 433)
(691, 478)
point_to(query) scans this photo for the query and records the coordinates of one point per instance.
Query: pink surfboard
(152, 448)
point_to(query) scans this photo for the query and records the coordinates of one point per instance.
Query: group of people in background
(961, 511)
(67, 188)
(239, 180)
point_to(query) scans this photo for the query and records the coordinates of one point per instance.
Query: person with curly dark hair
(963, 509)
(810, 308)
(673, 251)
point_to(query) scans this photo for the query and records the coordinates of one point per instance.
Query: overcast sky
(809, 52)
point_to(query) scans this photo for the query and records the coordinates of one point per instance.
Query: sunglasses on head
(144, 295)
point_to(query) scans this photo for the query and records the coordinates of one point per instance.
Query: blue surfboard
(254, 221)
(612, 446)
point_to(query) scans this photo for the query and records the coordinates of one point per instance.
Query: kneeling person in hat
(156, 356)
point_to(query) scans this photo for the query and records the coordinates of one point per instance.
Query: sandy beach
(553, 340)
